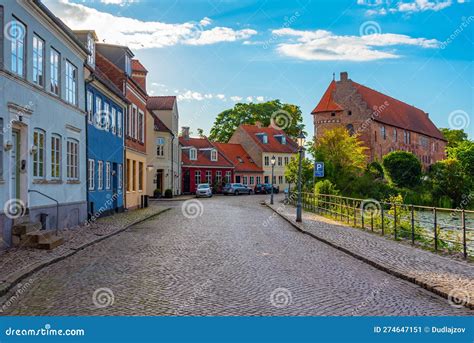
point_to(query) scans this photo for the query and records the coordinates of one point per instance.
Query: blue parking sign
(319, 169)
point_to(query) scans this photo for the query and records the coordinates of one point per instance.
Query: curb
(13, 279)
(429, 287)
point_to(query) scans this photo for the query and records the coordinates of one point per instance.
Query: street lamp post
(301, 139)
(273, 167)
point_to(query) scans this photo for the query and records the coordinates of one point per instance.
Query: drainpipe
(87, 82)
(172, 162)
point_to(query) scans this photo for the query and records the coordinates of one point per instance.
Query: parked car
(203, 190)
(236, 189)
(266, 188)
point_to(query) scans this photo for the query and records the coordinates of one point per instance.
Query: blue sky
(212, 54)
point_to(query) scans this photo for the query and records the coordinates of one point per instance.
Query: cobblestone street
(225, 261)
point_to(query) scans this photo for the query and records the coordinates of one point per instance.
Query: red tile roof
(203, 156)
(396, 113)
(273, 144)
(137, 66)
(160, 103)
(239, 157)
(327, 102)
(159, 125)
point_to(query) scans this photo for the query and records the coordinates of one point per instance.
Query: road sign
(319, 169)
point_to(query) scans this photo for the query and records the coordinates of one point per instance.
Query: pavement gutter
(14, 278)
(430, 287)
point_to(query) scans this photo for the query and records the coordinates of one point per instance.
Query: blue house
(105, 106)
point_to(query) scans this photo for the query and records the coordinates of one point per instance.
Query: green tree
(448, 179)
(291, 171)
(464, 153)
(325, 187)
(200, 132)
(402, 168)
(342, 154)
(288, 117)
(454, 137)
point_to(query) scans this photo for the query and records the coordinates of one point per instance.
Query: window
(100, 175)
(38, 61)
(245, 179)
(266, 178)
(394, 134)
(274, 179)
(406, 137)
(287, 160)
(90, 174)
(259, 179)
(280, 161)
(349, 113)
(1, 148)
(424, 142)
(133, 125)
(333, 114)
(141, 133)
(18, 39)
(383, 132)
(119, 176)
(192, 154)
(71, 83)
(264, 139)
(350, 129)
(218, 177)
(134, 175)
(107, 175)
(209, 177)
(54, 62)
(113, 120)
(197, 177)
(160, 147)
(98, 109)
(39, 153)
(55, 156)
(227, 176)
(72, 159)
(280, 179)
(213, 155)
(140, 176)
(267, 160)
(107, 120)
(128, 175)
(119, 123)
(91, 48)
(90, 106)
(252, 180)
(128, 65)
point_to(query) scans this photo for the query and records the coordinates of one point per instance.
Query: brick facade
(347, 104)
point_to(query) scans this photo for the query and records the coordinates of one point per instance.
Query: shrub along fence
(440, 229)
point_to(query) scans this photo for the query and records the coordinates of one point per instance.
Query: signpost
(319, 169)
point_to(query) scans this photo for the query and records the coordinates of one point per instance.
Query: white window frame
(55, 72)
(193, 154)
(119, 176)
(252, 180)
(72, 159)
(245, 180)
(107, 123)
(90, 106)
(38, 60)
(197, 177)
(39, 155)
(97, 111)
(100, 175)
(214, 155)
(209, 177)
(91, 49)
(228, 176)
(107, 175)
(71, 83)
(113, 116)
(218, 177)
(160, 147)
(259, 180)
(119, 122)
(91, 174)
(141, 126)
(266, 160)
(56, 156)
(18, 47)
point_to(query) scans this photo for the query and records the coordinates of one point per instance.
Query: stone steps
(27, 234)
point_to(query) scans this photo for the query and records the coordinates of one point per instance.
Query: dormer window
(91, 49)
(193, 154)
(128, 65)
(240, 159)
(214, 155)
(281, 138)
(263, 137)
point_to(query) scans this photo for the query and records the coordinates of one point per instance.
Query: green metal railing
(441, 229)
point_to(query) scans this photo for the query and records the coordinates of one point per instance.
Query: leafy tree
(464, 153)
(454, 137)
(325, 187)
(200, 132)
(342, 153)
(291, 171)
(375, 170)
(402, 168)
(288, 117)
(449, 179)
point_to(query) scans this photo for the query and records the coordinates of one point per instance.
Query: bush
(449, 179)
(168, 193)
(402, 168)
(375, 170)
(157, 193)
(325, 187)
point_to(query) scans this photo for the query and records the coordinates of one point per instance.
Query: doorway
(186, 181)
(159, 180)
(16, 165)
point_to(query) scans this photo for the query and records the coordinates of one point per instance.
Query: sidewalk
(20, 262)
(444, 276)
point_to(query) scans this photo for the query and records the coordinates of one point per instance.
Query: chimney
(344, 76)
(185, 132)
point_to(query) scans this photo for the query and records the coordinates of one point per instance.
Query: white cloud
(118, 2)
(236, 98)
(189, 95)
(138, 34)
(326, 46)
(379, 7)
